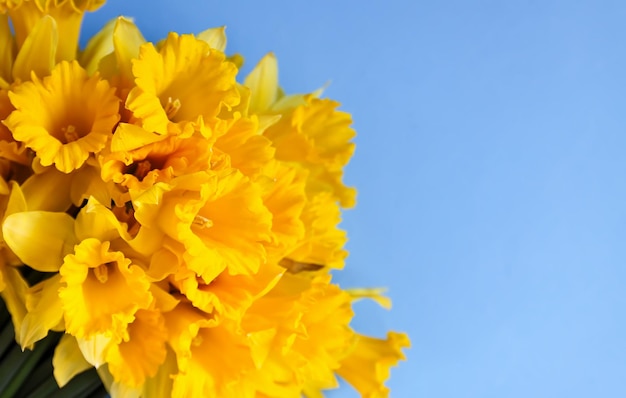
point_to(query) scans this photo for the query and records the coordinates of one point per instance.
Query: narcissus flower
(178, 226)
(180, 85)
(65, 117)
(101, 290)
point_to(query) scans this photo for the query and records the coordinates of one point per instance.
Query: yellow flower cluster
(183, 224)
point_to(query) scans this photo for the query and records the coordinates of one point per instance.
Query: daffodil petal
(97, 221)
(68, 360)
(14, 296)
(40, 239)
(38, 52)
(129, 136)
(94, 349)
(48, 191)
(127, 39)
(44, 311)
(98, 47)
(375, 294)
(263, 83)
(368, 366)
(214, 37)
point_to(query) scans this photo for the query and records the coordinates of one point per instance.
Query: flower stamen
(197, 341)
(70, 134)
(202, 222)
(172, 107)
(143, 168)
(102, 273)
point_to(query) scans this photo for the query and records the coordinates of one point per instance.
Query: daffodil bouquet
(175, 228)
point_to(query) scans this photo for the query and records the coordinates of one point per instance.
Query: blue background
(490, 167)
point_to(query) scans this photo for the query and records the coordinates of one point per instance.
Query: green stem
(46, 389)
(23, 364)
(41, 375)
(81, 385)
(7, 339)
(5, 317)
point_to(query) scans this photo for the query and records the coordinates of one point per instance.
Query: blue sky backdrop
(490, 167)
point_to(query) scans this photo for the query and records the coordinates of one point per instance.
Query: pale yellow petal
(68, 360)
(94, 348)
(40, 239)
(14, 296)
(98, 46)
(375, 294)
(129, 136)
(266, 121)
(48, 191)
(86, 183)
(17, 202)
(44, 311)
(38, 53)
(127, 39)
(214, 37)
(263, 84)
(97, 221)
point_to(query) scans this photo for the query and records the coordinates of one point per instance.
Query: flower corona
(183, 225)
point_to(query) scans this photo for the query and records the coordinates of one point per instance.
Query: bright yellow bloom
(161, 161)
(101, 290)
(317, 137)
(305, 324)
(194, 336)
(246, 148)
(181, 85)
(64, 117)
(323, 241)
(367, 367)
(219, 218)
(132, 361)
(285, 197)
(227, 295)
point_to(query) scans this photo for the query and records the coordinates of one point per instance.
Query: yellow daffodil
(101, 290)
(227, 295)
(367, 367)
(141, 168)
(323, 241)
(316, 136)
(183, 82)
(64, 117)
(219, 218)
(132, 361)
(247, 149)
(193, 336)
